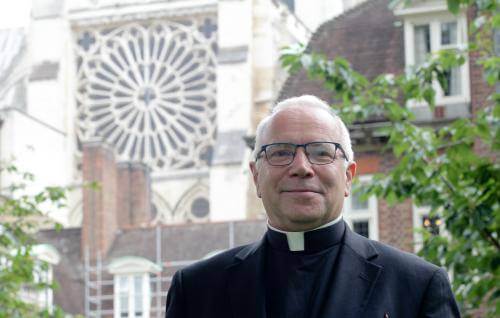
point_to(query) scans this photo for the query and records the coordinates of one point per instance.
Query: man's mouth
(300, 191)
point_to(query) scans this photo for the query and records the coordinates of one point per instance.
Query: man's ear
(350, 172)
(255, 175)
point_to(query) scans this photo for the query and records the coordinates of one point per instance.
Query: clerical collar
(314, 240)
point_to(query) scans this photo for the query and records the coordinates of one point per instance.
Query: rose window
(149, 91)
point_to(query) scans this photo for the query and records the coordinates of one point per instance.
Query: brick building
(378, 40)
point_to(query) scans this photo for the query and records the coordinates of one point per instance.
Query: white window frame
(131, 291)
(129, 267)
(369, 214)
(43, 298)
(434, 20)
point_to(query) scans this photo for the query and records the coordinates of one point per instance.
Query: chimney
(99, 224)
(134, 195)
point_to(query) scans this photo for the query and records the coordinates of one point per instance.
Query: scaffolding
(99, 283)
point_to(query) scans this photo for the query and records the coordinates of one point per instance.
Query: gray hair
(304, 101)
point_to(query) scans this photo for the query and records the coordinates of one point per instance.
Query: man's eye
(322, 154)
(282, 153)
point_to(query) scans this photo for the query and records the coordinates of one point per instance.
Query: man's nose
(301, 167)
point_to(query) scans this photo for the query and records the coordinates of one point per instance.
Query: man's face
(302, 196)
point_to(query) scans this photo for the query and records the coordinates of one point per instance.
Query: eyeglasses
(318, 152)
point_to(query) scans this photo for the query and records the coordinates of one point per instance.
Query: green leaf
(429, 96)
(453, 6)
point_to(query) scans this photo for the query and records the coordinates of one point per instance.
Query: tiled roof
(186, 242)
(367, 36)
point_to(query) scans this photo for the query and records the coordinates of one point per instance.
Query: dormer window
(132, 291)
(428, 28)
(132, 295)
(435, 36)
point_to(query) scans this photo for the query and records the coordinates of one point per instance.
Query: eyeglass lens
(317, 153)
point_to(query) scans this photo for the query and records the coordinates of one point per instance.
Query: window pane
(138, 305)
(448, 33)
(422, 43)
(361, 227)
(453, 81)
(138, 296)
(200, 208)
(123, 283)
(123, 288)
(123, 304)
(356, 202)
(138, 284)
(431, 224)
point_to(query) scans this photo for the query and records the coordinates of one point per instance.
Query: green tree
(21, 215)
(437, 167)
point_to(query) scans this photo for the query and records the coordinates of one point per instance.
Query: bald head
(299, 104)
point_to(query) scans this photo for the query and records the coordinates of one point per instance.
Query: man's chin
(306, 218)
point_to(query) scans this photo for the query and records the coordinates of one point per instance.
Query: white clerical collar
(296, 239)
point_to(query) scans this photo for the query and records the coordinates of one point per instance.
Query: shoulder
(402, 258)
(390, 257)
(403, 273)
(216, 263)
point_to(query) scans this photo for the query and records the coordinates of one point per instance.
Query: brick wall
(133, 194)
(121, 200)
(396, 224)
(396, 221)
(99, 223)
(479, 89)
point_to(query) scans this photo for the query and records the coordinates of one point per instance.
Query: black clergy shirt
(297, 281)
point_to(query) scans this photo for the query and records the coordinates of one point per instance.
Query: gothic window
(148, 90)
(200, 208)
(192, 206)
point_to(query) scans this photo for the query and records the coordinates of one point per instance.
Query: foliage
(21, 215)
(437, 167)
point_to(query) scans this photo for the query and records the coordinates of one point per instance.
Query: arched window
(132, 291)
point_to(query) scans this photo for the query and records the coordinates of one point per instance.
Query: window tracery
(148, 90)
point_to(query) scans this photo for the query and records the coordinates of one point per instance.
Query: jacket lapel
(245, 282)
(354, 278)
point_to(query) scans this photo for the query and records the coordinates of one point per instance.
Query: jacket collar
(354, 278)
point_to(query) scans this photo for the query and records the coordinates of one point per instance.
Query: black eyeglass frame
(336, 144)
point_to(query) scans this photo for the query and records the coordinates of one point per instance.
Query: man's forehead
(314, 120)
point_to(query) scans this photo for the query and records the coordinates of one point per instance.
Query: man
(309, 263)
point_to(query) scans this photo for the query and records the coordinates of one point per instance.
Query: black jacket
(370, 279)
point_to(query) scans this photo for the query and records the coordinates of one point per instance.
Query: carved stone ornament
(148, 90)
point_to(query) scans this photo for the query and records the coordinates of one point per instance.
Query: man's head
(302, 195)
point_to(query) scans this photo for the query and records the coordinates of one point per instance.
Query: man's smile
(301, 191)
